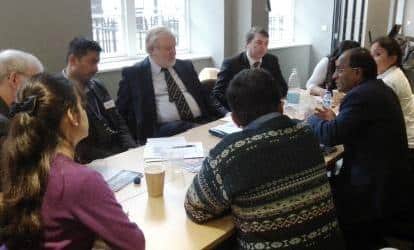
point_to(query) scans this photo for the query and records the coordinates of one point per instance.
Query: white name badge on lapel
(109, 104)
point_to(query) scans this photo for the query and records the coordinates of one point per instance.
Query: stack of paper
(160, 149)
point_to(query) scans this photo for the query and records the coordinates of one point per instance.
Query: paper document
(224, 129)
(160, 149)
(227, 118)
(115, 177)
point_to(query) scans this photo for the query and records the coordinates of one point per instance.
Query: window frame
(291, 38)
(128, 34)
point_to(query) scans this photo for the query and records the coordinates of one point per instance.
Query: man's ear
(360, 75)
(13, 80)
(72, 59)
(235, 119)
(73, 117)
(280, 107)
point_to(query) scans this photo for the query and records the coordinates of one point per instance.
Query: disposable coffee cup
(154, 176)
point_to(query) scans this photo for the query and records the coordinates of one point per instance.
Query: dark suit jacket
(108, 133)
(232, 66)
(136, 98)
(4, 129)
(4, 120)
(375, 173)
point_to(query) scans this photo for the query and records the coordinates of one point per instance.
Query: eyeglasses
(340, 70)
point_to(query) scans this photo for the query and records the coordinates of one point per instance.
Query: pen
(185, 146)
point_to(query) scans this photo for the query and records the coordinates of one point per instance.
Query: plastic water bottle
(327, 99)
(293, 81)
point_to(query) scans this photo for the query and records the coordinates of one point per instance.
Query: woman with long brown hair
(51, 202)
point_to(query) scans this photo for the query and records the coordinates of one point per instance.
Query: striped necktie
(256, 65)
(175, 95)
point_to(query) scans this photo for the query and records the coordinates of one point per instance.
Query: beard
(171, 63)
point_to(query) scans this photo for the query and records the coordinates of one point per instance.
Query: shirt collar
(155, 68)
(251, 61)
(385, 73)
(262, 119)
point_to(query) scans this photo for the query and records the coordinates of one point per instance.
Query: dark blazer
(375, 172)
(108, 133)
(4, 120)
(136, 98)
(232, 66)
(4, 129)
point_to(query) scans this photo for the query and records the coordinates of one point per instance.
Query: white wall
(207, 37)
(294, 57)
(313, 25)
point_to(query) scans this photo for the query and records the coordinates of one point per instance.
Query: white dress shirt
(252, 61)
(395, 79)
(319, 73)
(166, 110)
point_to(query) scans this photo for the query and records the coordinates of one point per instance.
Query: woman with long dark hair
(388, 56)
(51, 202)
(321, 78)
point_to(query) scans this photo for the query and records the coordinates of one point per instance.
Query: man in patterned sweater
(270, 176)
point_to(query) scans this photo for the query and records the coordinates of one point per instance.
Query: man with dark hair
(108, 133)
(270, 176)
(255, 56)
(370, 125)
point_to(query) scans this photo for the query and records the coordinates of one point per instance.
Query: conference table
(163, 219)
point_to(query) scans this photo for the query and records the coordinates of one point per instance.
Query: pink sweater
(78, 207)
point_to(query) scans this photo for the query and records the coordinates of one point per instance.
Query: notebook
(224, 129)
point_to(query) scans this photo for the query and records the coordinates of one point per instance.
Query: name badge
(109, 104)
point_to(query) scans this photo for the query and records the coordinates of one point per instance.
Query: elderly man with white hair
(15, 67)
(162, 95)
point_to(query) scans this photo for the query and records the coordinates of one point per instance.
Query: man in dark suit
(255, 56)
(108, 133)
(370, 125)
(162, 95)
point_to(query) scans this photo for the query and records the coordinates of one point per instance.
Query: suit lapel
(147, 93)
(244, 62)
(266, 63)
(190, 84)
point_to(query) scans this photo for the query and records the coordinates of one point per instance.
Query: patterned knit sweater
(272, 180)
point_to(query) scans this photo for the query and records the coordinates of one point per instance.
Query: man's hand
(325, 113)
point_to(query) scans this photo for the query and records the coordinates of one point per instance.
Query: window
(120, 25)
(281, 21)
